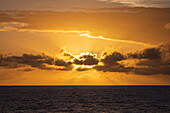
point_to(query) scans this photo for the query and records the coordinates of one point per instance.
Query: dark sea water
(108, 99)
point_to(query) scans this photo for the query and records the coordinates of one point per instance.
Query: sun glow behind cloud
(99, 52)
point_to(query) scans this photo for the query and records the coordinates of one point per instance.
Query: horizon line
(84, 85)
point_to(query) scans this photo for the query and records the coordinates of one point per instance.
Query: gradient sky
(84, 42)
(64, 5)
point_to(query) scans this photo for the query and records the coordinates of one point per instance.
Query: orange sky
(113, 46)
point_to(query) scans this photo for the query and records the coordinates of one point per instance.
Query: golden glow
(91, 77)
(83, 33)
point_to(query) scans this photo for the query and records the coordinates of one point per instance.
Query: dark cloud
(162, 52)
(36, 61)
(83, 69)
(41, 61)
(110, 62)
(156, 61)
(150, 61)
(62, 63)
(26, 69)
(86, 59)
(142, 68)
(66, 54)
(149, 53)
(152, 70)
(165, 53)
(112, 58)
(10, 62)
(113, 68)
(67, 65)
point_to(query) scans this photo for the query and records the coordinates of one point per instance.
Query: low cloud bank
(150, 61)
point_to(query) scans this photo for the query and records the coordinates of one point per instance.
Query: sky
(66, 5)
(84, 42)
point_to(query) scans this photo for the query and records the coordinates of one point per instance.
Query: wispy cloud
(59, 5)
(126, 25)
(142, 3)
(7, 26)
(115, 40)
(20, 27)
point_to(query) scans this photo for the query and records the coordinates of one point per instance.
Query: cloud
(142, 3)
(24, 27)
(21, 27)
(66, 5)
(110, 62)
(165, 53)
(83, 69)
(26, 69)
(113, 68)
(162, 53)
(112, 58)
(147, 67)
(7, 26)
(62, 63)
(66, 65)
(164, 70)
(88, 35)
(150, 61)
(66, 54)
(149, 53)
(54, 5)
(35, 61)
(86, 59)
(133, 30)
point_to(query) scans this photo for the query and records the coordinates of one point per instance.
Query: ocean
(85, 99)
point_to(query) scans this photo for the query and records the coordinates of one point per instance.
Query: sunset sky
(84, 42)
